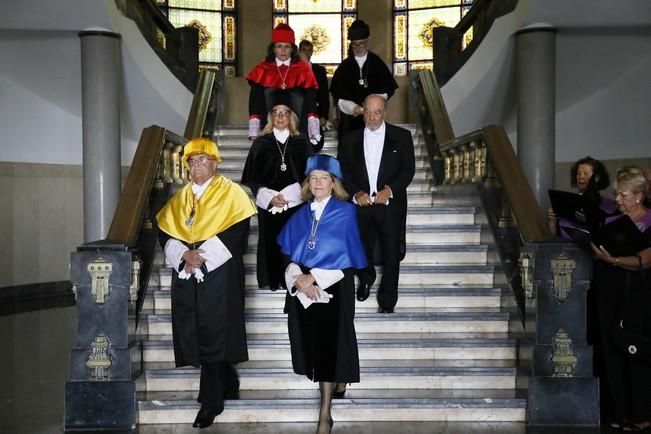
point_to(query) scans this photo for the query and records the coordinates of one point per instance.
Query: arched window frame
(402, 10)
(226, 10)
(284, 10)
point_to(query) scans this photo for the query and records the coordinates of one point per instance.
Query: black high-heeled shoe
(338, 394)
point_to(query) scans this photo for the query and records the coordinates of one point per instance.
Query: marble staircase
(448, 353)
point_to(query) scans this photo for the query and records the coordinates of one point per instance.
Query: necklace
(190, 220)
(362, 79)
(283, 166)
(311, 242)
(283, 85)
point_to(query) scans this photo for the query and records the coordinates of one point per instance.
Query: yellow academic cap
(201, 145)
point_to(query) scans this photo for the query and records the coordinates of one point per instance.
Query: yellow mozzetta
(223, 204)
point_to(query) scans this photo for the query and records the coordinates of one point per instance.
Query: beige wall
(255, 34)
(41, 221)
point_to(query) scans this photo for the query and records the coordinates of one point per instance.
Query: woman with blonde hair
(274, 171)
(322, 249)
(623, 284)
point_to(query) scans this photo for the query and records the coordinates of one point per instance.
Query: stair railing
(450, 53)
(110, 278)
(486, 159)
(177, 48)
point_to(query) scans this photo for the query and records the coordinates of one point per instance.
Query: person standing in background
(361, 74)
(306, 48)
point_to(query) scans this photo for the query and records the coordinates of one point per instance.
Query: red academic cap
(283, 33)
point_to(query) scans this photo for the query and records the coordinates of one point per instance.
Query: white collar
(318, 207)
(361, 59)
(281, 136)
(199, 189)
(283, 62)
(379, 131)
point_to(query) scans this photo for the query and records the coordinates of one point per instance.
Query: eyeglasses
(622, 194)
(196, 160)
(359, 44)
(279, 113)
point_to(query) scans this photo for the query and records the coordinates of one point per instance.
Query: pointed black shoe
(206, 416)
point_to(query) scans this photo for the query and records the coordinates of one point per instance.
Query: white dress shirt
(373, 146)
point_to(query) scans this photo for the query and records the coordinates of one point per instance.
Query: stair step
(370, 349)
(371, 378)
(409, 298)
(363, 409)
(365, 322)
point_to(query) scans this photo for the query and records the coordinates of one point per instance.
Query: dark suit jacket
(397, 164)
(322, 95)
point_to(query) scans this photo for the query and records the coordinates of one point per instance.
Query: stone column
(535, 48)
(101, 74)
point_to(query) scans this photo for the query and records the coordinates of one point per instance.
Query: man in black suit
(305, 48)
(378, 164)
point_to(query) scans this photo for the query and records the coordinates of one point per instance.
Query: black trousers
(382, 223)
(217, 379)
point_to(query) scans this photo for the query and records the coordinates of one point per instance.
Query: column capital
(537, 27)
(99, 32)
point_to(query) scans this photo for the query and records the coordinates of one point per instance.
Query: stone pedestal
(562, 389)
(101, 393)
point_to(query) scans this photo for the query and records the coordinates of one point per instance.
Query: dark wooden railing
(450, 54)
(484, 159)
(177, 48)
(110, 277)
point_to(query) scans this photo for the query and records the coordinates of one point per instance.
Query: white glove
(313, 131)
(254, 127)
(278, 209)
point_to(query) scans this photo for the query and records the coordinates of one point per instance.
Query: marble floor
(34, 367)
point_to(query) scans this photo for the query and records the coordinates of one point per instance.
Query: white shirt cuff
(264, 196)
(292, 194)
(346, 106)
(174, 250)
(326, 278)
(291, 274)
(215, 253)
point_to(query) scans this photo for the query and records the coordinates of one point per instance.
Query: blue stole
(338, 244)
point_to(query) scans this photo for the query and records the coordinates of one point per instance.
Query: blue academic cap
(323, 162)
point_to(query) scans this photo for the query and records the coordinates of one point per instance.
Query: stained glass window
(323, 22)
(216, 21)
(413, 24)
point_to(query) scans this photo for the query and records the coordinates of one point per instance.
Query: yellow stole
(221, 205)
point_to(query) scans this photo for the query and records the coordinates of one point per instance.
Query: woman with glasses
(274, 171)
(623, 285)
(284, 72)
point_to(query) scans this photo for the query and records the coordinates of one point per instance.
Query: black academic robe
(624, 295)
(322, 337)
(208, 317)
(322, 100)
(262, 169)
(345, 85)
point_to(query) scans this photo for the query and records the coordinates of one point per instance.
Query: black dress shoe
(363, 291)
(206, 416)
(385, 310)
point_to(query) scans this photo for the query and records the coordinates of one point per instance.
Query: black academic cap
(358, 30)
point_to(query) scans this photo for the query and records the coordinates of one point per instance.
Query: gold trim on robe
(221, 205)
